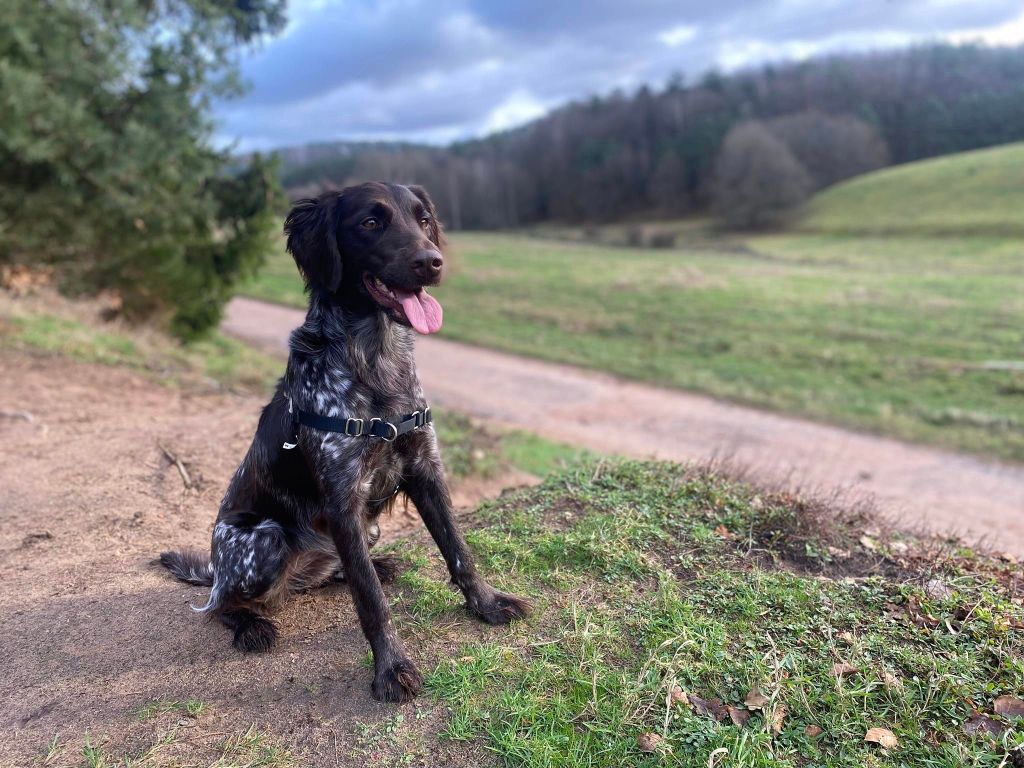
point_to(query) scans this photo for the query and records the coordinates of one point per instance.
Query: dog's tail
(189, 566)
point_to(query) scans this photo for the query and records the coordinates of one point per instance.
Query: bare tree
(756, 180)
(831, 148)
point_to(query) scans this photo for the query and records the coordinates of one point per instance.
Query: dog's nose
(427, 264)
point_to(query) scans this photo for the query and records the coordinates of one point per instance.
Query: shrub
(756, 180)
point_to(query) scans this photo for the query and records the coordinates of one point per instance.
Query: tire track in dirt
(920, 486)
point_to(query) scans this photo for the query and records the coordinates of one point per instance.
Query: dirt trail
(938, 489)
(92, 630)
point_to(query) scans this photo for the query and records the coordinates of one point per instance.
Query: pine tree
(107, 168)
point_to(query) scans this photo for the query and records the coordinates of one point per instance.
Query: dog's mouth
(417, 308)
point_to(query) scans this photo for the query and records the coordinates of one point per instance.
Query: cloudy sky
(439, 70)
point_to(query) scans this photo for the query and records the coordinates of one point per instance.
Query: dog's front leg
(428, 490)
(395, 676)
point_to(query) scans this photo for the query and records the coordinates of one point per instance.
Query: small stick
(24, 415)
(171, 457)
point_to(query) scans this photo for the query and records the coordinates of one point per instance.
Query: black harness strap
(388, 430)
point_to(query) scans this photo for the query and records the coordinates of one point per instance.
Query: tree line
(683, 148)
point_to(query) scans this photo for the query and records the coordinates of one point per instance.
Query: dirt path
(92, 631)
(922, 486)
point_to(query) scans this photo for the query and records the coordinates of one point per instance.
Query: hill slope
(969, 193)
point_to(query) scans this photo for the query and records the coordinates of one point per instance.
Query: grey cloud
(437, 70)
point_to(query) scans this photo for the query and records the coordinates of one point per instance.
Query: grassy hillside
(685, 620)
(915, 337)
(970, 193)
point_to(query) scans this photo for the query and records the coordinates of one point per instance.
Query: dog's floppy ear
(436, 232)
(311, 228)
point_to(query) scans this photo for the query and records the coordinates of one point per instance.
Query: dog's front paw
(496, 607)
(398, 682)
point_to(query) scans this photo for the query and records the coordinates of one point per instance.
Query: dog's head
(375, 247)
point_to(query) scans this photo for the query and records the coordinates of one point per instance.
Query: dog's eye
(424, 221)
(370, 223)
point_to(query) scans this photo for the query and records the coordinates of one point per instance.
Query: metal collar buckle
(385, 438)
(348, 425)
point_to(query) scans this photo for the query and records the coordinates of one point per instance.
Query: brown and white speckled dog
(296, 517)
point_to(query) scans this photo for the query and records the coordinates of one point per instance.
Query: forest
(662, 152)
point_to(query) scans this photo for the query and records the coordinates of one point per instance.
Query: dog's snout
(427, 264)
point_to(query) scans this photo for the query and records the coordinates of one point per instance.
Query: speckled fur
(294, 519)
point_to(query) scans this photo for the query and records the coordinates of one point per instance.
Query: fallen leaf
(891, 681)
(979, 723)
(842, 669)
(848, 637)
(900, 547)
(712, 708)
(738, 716)
(648, 742)
(678, 697)
(755, 699)
(841, 554)
(778, 718)
(882, 736)
(722, 531)
(1006, 557)
(868, 543)
(812, 731)
(1009, 706)
(919, 616)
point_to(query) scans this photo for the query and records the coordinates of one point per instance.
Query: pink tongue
(422, 309)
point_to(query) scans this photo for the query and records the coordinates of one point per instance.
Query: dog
(347, 431)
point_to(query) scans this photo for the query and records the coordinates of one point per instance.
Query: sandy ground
(93, 630)
(920, 486)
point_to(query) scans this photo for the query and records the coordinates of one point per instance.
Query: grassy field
(970, 193)
(686, 620)
(919, 338)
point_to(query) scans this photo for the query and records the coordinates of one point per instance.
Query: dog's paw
(496, 607)
(255, 635)
(387, 568)
(398, 682)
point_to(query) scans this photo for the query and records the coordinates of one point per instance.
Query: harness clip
(387, 439)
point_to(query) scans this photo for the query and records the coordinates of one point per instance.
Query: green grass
(969, 193)
(918, 338)
(217, 358)
(647, 579)
(278, 281)
(472, 450)
(174, 748)
(190, 707)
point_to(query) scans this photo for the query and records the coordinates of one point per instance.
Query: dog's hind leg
(248, 577)
(254, 632)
